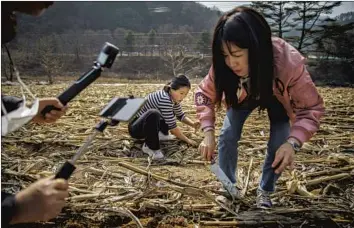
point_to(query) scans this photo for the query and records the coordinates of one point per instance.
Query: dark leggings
(147, 127)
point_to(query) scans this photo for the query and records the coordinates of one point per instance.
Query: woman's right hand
(192, 142)
(41, 201)
(207, 146)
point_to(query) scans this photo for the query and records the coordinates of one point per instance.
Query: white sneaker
(155, 154)
(163, 137)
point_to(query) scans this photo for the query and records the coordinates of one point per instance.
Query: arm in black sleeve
(8, 208)
(11, 103)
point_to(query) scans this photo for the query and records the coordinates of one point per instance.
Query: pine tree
(309, 15)
(337, 40)
(277, 14)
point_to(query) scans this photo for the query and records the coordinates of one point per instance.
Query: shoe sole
(151, 154)
(264, 207)
(154, 158)
(148, 153)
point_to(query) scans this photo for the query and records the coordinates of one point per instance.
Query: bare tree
(73, 45)
(48, 59)
(176, 60)
(129, 42)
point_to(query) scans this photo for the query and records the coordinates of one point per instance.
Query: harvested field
(115, 185)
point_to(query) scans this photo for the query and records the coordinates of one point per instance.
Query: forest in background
(159, 39)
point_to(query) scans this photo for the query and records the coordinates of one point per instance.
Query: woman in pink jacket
(253, 69)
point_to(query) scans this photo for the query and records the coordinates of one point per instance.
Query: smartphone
(122, 109)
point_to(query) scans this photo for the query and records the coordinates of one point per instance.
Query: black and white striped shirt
(161, 101)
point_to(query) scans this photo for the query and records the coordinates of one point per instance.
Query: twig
(141, 171)
(91, 196)
(244, 191)
(73, 189)
(243, 223)
(101, 172)
(328, 171)
(13, 173)
(329, 178)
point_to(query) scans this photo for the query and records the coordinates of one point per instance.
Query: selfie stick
(69, 166)
(112, 112)
(105, 59)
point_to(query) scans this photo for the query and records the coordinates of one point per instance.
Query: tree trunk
(5, 72)
(77, 53)
(303, 27)
(50, 78)
(280, 33)
(12, 70)
(11, 66)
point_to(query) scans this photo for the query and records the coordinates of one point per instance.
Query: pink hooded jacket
(292, 86)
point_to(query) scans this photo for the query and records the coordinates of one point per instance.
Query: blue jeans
(231, 133)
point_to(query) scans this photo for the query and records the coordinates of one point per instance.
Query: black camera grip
(49, 108)
(79, 85)
(65, 171)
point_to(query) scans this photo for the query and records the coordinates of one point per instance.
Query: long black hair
(247, 29)
(177, 82)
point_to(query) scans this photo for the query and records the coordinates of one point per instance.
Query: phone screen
(123, 109)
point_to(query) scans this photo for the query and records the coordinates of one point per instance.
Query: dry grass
(116, 185)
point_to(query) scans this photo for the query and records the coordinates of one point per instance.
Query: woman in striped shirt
(158, 116)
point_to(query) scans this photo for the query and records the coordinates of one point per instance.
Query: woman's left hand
(284, 157)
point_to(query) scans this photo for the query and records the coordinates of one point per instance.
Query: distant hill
(135, 16)
(346, 18)
(343, 18)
